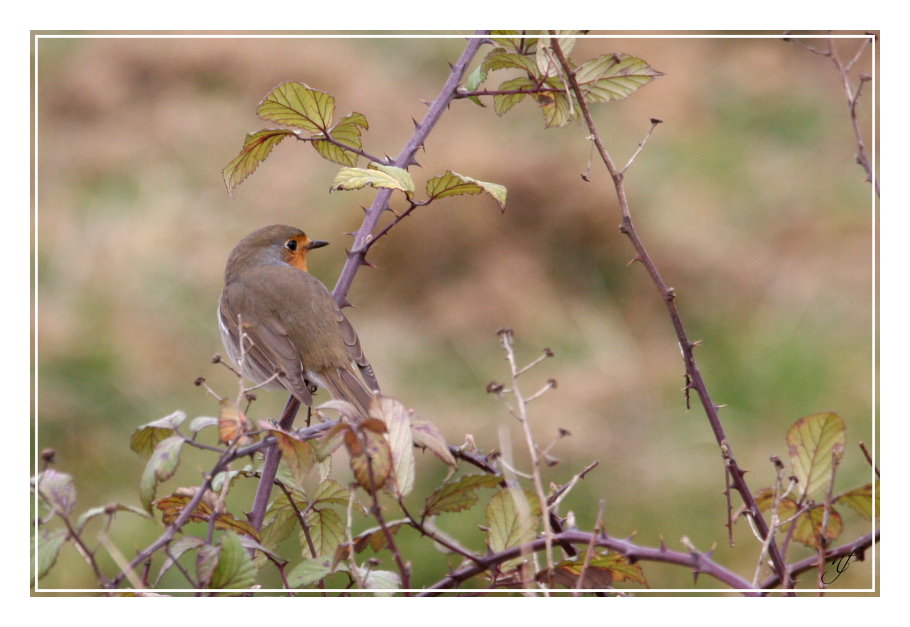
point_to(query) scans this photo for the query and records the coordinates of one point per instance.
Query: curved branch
(693, 374)
(700, 563)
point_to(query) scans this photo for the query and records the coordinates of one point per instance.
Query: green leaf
(298, 105)
(473, 81)
(108, 509)
(235, 567)
(326, 530)
(509, 40)
(613, 77)
(256, 147)
(860, 499)
(427, 435)
(330, 491)
(48, 546)
(455, 184)
(206, 561)
(545, 58)
(58, 489)
(512, 517)
(503, 102)
(813, 441)
(297, 454)
(160, 467)
(500, 59)
(308, 572)
(281, 518)
(380, 580)
(809, 526)
(376, 175)
(459, 495)
(346, 132)
(554, 105)
(397, 419)
(146, 438)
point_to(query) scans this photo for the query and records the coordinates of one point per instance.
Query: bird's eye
(291, 245)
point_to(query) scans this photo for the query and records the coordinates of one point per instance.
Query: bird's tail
(344, 385)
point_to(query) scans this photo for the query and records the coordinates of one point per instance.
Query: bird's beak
(316, 244)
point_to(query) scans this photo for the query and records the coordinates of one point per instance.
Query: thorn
(366, 263)
(426, 103)
(663, 544)
(413, 161)
(416, 123)
(632, 260)
(694, 344)
(865, 77)
(345, 303)
(352, 233)
(670, 295)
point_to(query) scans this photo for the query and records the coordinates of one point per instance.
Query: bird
(294, 334)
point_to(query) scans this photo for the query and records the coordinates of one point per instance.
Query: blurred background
(747, 197)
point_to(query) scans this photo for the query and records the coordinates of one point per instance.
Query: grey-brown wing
(268, 351)
(352, 343)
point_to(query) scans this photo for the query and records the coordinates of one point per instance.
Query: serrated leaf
(509, 40)
(786, 507)
(298, 105)
(860, 499)
(613, 77)
(48, 543)
(329, 443)
(330, 491)
(809, 526)
(206, 561)
(160, 467)
(500, 59)
(512, 517)
(58, 489)
(326, 530)
(346, 132)
(280, 521)
(545, 59)
(397, 419)
(427, 435)
(376, 175)
(256, 147)
(370, 456)
(380, 580)
(108, 509)
(200, 423)
(308, 572)
(235, 567)
(175, 549)
(602, 572)
(813, 440)
(459, 495)
(454, 184)
(503, 102)
(473, 81)
(554, 105)
(297, 454)
(172, 506)
(145, 438)
(233, 425)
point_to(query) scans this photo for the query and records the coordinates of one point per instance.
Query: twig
(641, 144)
(590, 551)
(868, 455)
(821, 536)
(270, 466)
(857, 546)
(363, 239)
(697, 561)
(377, 513)
(506, 338)
(668, 295)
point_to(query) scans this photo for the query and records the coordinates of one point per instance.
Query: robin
(294, 334)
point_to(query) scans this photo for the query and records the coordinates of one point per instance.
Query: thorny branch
(695, 379)
(843, 70)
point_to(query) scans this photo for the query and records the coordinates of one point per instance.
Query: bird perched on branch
(294, 334)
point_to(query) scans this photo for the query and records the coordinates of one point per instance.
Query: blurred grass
(747, 197)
